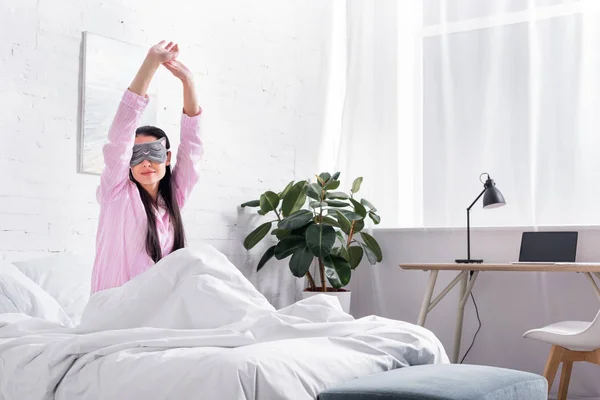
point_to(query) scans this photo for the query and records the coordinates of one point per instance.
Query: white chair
(571, 341)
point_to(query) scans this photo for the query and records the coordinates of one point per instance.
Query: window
(511, 88)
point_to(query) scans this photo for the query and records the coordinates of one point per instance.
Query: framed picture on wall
(108, 67)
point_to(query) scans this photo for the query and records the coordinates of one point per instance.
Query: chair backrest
(595, 326)
(591, 336)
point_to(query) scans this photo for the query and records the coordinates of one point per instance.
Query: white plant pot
(343, 297)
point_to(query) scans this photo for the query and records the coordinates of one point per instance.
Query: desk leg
(427, 299)
(466, 286)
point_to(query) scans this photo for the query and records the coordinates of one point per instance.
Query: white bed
(191, 327)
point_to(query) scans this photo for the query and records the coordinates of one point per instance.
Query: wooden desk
(588, 269)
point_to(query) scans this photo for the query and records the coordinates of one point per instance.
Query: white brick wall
(260, 70)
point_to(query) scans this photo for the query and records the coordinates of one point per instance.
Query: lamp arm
(469, 224)
(478, 197)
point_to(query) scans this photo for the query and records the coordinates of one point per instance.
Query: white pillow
(20, 294)
(67, 277)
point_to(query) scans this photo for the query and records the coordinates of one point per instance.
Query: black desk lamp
(492, 198)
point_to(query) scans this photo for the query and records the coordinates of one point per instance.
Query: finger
(169, 46)
(174, 52)
(169, 67)
(162, 43)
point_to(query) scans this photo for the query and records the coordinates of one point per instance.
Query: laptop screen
(548, 247)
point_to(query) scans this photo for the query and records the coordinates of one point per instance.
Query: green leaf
(324, 178)
(269, 201)
(315, 204)
(341, 237)
(359, 225)
(336, 195)
(330, 221)
(372, 244)
(300, 262)
(335, 176)
(335, 203)
(320, 239)
(366, 203)
(352, 216)
(344, 222)
(261, 212)
(335, 251)
(359, 208)
(302, 230)
(256, 235)
(356, 184)
(344, 253)
(370, 255)
(266, 257)
(286, 190)
(314, 191)
(337, 271)
(252, 203)
(376, 218)
(296, 220)
(331, 185)
(280, 233)
(356, 255)
(288, 246)
(294, 199)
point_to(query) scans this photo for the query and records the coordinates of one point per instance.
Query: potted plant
(328, 231)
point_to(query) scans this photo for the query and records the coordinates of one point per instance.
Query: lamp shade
(492, 197)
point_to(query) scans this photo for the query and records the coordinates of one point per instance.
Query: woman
(140, 198)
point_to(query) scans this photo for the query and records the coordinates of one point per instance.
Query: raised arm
(190, 150)
(121, 134)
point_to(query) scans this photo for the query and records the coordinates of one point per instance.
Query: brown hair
(167, 192)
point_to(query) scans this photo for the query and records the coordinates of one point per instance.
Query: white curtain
(436, 92)
(373, 97)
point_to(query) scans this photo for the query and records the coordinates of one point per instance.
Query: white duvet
(192, 327)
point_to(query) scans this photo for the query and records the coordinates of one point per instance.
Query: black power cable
(474, 336)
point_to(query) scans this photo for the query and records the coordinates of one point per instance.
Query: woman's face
(149, 172)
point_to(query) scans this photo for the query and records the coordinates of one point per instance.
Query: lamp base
(465, 261)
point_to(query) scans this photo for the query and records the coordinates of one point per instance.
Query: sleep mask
(153, 151)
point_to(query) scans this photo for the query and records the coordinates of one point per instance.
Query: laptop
(548, 248)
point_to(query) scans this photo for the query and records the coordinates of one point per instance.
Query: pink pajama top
(121, 237)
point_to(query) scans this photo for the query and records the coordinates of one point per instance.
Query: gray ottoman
(443, 382)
